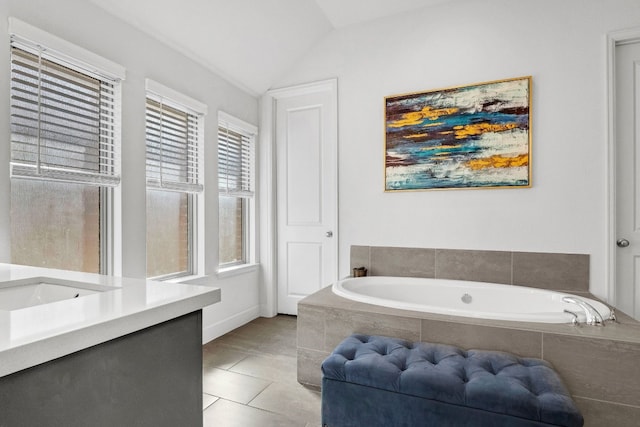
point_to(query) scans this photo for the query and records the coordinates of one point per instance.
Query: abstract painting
(476, 136)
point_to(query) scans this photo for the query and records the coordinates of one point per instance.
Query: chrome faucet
(593, 317)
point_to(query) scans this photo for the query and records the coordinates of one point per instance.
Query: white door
(627, 124)
(306, 191)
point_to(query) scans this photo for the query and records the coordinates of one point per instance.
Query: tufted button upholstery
(487, 380)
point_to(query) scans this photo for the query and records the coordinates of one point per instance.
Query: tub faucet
(593, 317)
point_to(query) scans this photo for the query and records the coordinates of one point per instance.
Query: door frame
(268, 242)
(614, 39)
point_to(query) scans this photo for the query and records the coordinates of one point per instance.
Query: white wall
(82, 23)
(560, 43)
(239, 303)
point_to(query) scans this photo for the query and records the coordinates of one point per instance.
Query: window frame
(195, 198)
(59, 51)
(249, 229)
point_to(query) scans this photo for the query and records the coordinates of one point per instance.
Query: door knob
(622, 243)
(329, 234)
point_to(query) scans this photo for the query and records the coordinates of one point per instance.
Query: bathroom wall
(82, 23)
(560, 44)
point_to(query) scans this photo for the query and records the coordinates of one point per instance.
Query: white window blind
(64, 120)
(172, 147)
(235, 157)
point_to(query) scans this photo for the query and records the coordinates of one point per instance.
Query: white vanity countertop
(33, 335)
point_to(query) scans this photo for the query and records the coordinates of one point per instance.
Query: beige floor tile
(261, 341)
(220, 356)
(273, 368)
(230, 414)
(257, 364)
(208, 400)
(232, 386)
(294, 400)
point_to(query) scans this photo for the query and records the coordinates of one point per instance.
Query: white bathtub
(464, 298)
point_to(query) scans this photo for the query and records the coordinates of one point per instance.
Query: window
(65, 126)
(236, 141)
(174, 126)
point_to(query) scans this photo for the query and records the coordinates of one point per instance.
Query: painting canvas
(476, 136)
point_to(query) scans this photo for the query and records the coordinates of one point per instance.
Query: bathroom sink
(18, 294)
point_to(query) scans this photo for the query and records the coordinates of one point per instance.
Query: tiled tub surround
(598, 364)
(560, 272)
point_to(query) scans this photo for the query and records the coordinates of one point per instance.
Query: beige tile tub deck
(599, 365)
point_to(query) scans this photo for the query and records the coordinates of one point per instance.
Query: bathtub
(465, 298)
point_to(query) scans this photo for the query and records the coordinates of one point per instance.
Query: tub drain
(466, 298)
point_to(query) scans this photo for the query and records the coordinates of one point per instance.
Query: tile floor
(250, 378)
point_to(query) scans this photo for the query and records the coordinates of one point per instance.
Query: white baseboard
(215, 330)
(267, 311)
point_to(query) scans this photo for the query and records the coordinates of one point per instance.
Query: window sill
(236, 270)
(184, 279)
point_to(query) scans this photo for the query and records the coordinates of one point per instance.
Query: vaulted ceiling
(250, 42)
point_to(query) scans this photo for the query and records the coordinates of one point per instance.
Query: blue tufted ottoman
(375, 381)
